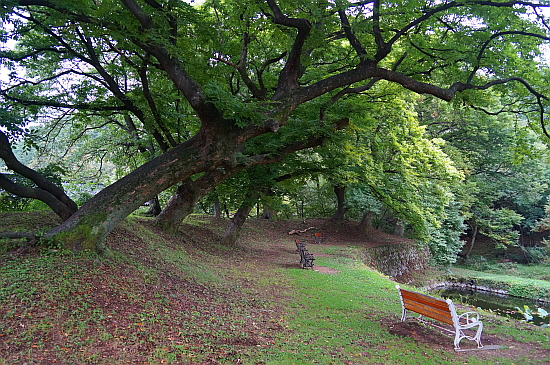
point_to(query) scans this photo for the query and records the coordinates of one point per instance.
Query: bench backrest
(427, 306)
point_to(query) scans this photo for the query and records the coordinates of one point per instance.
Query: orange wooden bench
(443, 311)
(318, 238)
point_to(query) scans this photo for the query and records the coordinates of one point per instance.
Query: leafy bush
(478, 263)
(535, 255)
(444, 241)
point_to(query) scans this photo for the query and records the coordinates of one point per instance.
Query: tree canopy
(195, 94)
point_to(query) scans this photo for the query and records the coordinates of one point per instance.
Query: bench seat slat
(442, 311)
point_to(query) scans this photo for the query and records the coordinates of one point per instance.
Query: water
(502, 305)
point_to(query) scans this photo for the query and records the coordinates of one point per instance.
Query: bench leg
(459, 335)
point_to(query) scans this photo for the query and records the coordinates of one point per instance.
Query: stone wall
(397, 259)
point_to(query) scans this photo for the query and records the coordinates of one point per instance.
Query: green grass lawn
(344, 319)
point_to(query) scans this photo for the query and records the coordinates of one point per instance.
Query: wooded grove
(433, 111)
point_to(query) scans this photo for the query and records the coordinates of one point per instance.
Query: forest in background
(417, 118)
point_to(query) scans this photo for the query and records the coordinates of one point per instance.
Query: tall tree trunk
(217, 208)
(366, 222)
(340, 191)
(267, 213)
(154, 207)
(237, 222)
(472, 241)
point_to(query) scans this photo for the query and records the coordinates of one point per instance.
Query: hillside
(186, 299)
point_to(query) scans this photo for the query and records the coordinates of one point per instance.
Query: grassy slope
(186, 299)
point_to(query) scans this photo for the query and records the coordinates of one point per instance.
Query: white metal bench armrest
(469, 317)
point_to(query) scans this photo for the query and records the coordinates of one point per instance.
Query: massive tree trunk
(340, 191)
(89, 226)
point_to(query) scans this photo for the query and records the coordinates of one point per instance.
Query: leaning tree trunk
(212, 149)
(90, 225)
(472, 241)
(182, 203)
(340, 191)
(45, 191)
(236, 224)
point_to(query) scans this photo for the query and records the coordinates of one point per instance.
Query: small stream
(502, 305)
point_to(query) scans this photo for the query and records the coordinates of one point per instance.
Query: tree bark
(472, 241)
(154, 207)
(191, 192)
(236, 224)
(340, 191)
(46, 191)
(366, 222)
(180, 205)
(217, 208)
(399, 228)
(90, 225)
(267, 213)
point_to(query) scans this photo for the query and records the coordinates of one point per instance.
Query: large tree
(246, 70)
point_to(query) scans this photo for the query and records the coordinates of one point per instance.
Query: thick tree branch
(190, 88)
(355, 43)
(43, 184)
(288, 78)
(55, 204)
(493, 37)
(142, 72)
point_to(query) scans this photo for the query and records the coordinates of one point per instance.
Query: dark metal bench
(306, 258)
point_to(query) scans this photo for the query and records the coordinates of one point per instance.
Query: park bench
(306, 258)
(443, 311)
